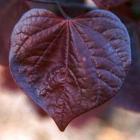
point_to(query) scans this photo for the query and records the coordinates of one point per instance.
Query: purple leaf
(69, 66)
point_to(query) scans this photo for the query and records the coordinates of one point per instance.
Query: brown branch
(64, 4)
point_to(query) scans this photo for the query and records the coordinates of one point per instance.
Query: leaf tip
(61, 123)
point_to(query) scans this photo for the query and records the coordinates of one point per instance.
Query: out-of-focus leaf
(129, 96)
(69, 66)
(109, 3)
(10, 12)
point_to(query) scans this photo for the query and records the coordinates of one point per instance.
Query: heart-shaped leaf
(109, 3)
(69, 66)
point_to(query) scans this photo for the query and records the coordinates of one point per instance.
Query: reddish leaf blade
(69, 67)
(109, 3)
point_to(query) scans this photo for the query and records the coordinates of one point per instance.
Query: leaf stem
(62, 11)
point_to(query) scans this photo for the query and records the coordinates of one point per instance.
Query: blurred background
(118, 119)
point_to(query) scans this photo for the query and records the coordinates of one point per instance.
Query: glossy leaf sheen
(69, 66)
